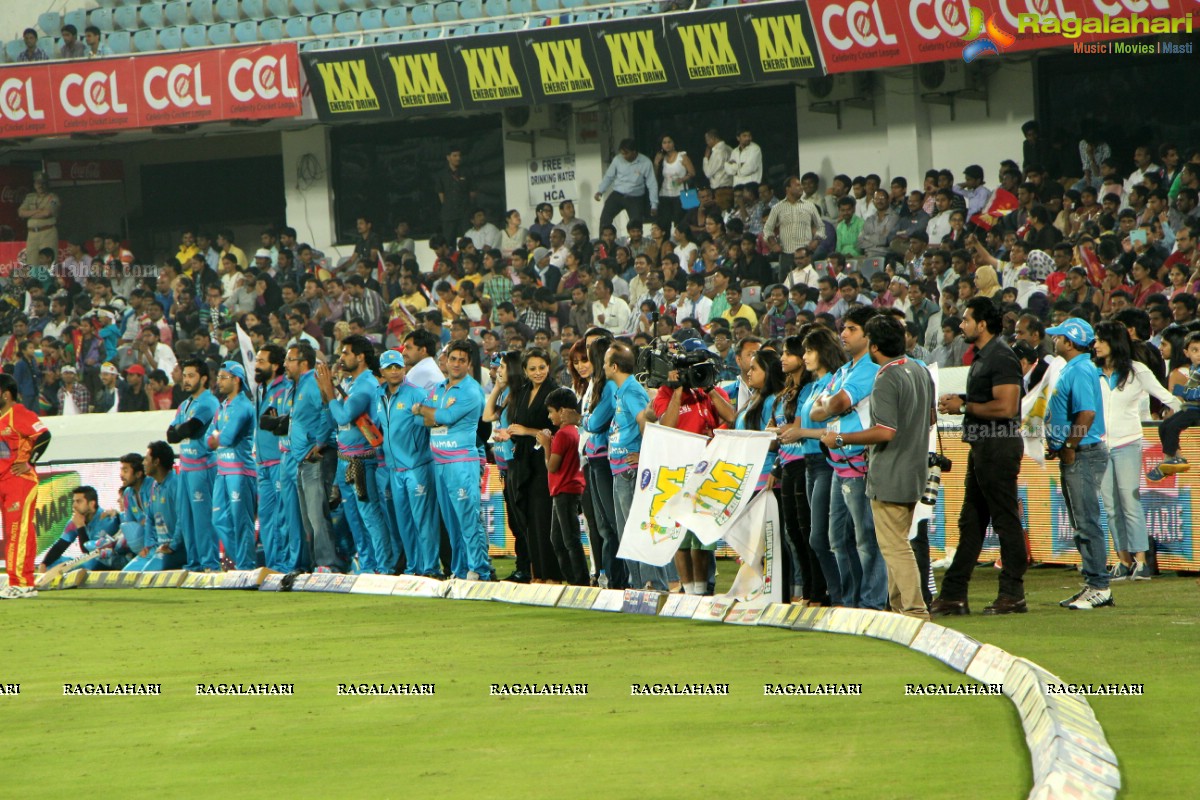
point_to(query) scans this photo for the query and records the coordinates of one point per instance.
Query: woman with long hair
(1173, 353)
(766, 381)
(674, 170)
(808, 580)
(685, 247)
(599, 402)
(531, 486)
(823, 355)
(579, 372)
(269, 297)
(508, 380)
(513, 236)
(1126, 387)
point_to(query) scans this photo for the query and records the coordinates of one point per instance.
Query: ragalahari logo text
(995, 40)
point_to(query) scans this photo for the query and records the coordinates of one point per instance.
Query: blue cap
(692, 345)
(1076, 330)
(236, 370)
(391, 358)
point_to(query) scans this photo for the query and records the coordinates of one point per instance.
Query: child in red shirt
(566, 484)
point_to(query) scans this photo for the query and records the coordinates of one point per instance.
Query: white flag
(1034, 407)
(69, 408)
(923, 511)
(247, 349)
(755, 538)
(667, 456)
(719, 488)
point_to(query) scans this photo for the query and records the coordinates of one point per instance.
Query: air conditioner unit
(950, 77)
(536, 118)
(839, 88)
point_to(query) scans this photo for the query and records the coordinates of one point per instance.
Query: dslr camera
(695, 368)
(938, 464)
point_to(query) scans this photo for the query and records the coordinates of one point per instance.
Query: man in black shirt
(991, 426)
(455, 194)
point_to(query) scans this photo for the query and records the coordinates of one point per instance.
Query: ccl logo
(183, 85)
(933, 19)
(268, 79)
(862, 23)
(18, 101)
(96, 93)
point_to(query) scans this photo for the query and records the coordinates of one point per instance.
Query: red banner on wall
(143, 91)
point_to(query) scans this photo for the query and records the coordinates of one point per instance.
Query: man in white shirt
(153, 354)
(716, 158)
(1143, 158)
(803, 273)
(693, 304)
(939, 225)
(556, 256)
(745, 162)
(484, 234)
(609, 312)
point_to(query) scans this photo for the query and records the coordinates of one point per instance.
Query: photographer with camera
(901, 411)
(992, 427)
(685, 402)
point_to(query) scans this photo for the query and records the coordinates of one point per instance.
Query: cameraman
(898, 468)
(992, 427)
(690, 409)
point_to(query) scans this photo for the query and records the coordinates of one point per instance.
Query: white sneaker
(1093, 598)
(17, 592)
(473, 576)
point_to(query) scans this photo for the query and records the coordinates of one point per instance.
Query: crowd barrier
(1069, 751)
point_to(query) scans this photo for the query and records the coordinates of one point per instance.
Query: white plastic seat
(270, 30)
(423, 14)
(470, 9)
(119, 42)
(170, 38)
(51, 23)
(221, 33)
(228, 10)
(371, 19)
(202, 12)
(176, 12)
(102, 18)
(321, 25)
(395, 17)
(446, 12)
(295, 27)
(145, 41)
(152, 15)
(346, 22)
(125, 18)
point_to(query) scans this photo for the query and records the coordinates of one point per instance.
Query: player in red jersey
(23, 439)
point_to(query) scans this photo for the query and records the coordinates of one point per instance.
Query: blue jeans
(600, 487)
(818, 477)
(1122, 499)
(1081, 484)
(848, 498)
(639, 574)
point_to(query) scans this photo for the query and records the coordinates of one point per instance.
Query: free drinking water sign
(552, 180)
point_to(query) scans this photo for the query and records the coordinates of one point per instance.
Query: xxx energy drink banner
(715, 48)
(719, 488)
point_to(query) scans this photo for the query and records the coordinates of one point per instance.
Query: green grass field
(464, 743)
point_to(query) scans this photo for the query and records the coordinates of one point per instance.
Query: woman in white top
(685, 248)
(1126, 386)
(513, 236)
(674, 170)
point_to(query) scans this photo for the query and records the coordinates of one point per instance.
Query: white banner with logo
(718, 489)
(755, 538)
(667, 456)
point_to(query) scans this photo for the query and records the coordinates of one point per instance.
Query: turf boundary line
(1069, 752)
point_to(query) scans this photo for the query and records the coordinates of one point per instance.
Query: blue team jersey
(769, 407)
(1077, 389)
(624, 435)
(405, 437)
(597, 422)
(311, 424)
(804, 406)
(794, 451)
(95, 528)
(161, 514)
(856, 379)
(503, 451)
(194, 453)
(459, 408)
(364, 391)
(273, 395)
(232, 430)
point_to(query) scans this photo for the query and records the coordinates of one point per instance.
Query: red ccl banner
(143, 91)
(872, 34)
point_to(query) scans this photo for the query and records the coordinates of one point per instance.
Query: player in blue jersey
(231, 434)
(92, 529)
(164, 543)
(197, 464)
(453, 412)
(269, 405)
(357, 457)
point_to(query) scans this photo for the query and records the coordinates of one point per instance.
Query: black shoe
(285, 583)
(949, 608)
(518, 577)
(1006, 605)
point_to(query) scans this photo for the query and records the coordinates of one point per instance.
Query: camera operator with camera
(992, 427)
(683, 401)
(901, 411)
